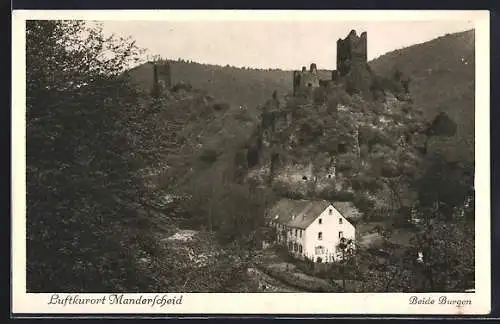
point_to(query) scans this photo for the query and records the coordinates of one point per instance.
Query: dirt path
(268, 283)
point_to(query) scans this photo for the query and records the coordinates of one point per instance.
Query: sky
(284, 44)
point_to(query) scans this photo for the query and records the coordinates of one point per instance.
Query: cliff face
(344, 148)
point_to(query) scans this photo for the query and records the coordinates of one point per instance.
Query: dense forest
(103, 153)
(443, 80)
(93, 141)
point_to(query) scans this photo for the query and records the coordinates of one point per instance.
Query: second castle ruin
(351, 51)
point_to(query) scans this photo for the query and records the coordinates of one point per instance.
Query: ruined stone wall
(162, 77)
(165, 74)
(305, 81)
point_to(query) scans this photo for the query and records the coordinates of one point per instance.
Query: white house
(312, 228)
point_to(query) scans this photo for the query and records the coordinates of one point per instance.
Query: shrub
(182, 86)
(319, 96)
(220, 106)
(300, 282)
(283, 190)
(334, 195)
(209, 156)
(364, 203)
(338, 96)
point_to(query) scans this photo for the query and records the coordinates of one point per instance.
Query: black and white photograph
(252, 154)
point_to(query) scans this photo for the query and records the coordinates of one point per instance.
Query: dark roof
(301, 213)
(347, 209)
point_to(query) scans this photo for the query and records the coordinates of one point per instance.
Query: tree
(385, 269)
(446, 237)
(444, 185)
(442, 125)
(346, 250)
(78, 162)
(89, 136)
(448, 256)
(91, 139)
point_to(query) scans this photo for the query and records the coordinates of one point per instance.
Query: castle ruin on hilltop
(304, 80)
(162, 77)
(351, 51)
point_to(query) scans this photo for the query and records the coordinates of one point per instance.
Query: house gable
(324, 233)
(330, 212)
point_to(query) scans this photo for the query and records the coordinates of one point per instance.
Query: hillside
(201, 133)
(237, 86)
(442, 79)
(442, 72)
(342, 148)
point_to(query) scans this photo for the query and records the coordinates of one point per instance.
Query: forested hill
(442, 72)
(237, 86)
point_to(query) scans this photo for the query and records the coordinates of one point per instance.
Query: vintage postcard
(251, 162)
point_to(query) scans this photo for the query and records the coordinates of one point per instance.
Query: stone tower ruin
(350, 51)
(353, 71)
(162, 77)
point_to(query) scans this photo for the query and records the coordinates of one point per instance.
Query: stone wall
(162, 77)
(305, 81)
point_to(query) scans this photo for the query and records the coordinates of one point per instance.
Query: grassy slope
(441, 82)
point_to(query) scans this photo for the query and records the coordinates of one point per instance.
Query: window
(320, 221)
(340, 220)
(300, 233)
(330, 211)
(295, 247)
(296, 232)
(341, 234)
(320, 250)
(320, 235)
(300, 248)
